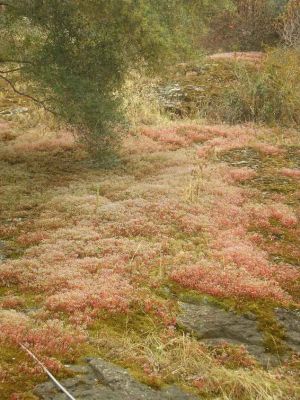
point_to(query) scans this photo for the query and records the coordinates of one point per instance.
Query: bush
(289, 24)
(268, 94)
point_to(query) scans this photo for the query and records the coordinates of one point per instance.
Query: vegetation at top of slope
(243, 25)
(74, 55)
(289, 24)
(75, 59)
(264, 91)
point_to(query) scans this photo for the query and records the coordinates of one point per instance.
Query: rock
(244, 157)
(2, 256)
(191, 73)
(15, 111)
(171, 97)
(100, 379)
(213, 325)
(181, 98)
(290, 320)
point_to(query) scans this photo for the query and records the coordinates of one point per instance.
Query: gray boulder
(100, 379)
(290, 320)
(214, 325)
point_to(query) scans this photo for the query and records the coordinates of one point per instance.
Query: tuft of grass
(141, 101)
(269, 94)
(180, 359)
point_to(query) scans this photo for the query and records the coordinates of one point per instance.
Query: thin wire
(47, 372)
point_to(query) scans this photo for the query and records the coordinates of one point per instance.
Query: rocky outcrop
(2, 256)
(214, 325)
(99, 379)
(290, 320)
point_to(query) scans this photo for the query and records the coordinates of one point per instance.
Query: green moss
(282, 243)
(243, 157)
(141, 376)
(15, 380)
(137, 323)
(135, 327)
(272, 331)
(192, 296)
(29, 299)
(194, 243)
(273, 184)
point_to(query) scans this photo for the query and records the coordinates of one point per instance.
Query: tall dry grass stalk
(141, 101)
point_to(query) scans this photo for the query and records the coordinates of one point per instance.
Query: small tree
(73, 55)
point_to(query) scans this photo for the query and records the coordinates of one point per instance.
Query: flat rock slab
(214, 325)
(290, 320)
(100, 379)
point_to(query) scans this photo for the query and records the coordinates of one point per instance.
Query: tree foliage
(245, 24)
(289, 24)
(76, 53)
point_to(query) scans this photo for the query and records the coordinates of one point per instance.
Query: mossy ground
(54, 198)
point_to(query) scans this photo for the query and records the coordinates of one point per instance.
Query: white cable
(48, 372)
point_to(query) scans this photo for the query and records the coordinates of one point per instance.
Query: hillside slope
(129, 264)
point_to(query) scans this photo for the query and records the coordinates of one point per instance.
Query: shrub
(268, 94)
(289, 24)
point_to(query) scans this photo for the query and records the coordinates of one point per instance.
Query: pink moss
(228, 282)
(263, 214)
(12, 302)
(241, 174)
(268, 149)
(238, 267)
(224, 143)
(89, 255)
(284, 215)
(291, 173)
(107, 292)
(181, 136)
(47, 338)
(168, 136)
(32, 238)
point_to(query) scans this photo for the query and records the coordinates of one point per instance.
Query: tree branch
(35, 100)
(6, 5)
(15, 61)
(10, 70)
